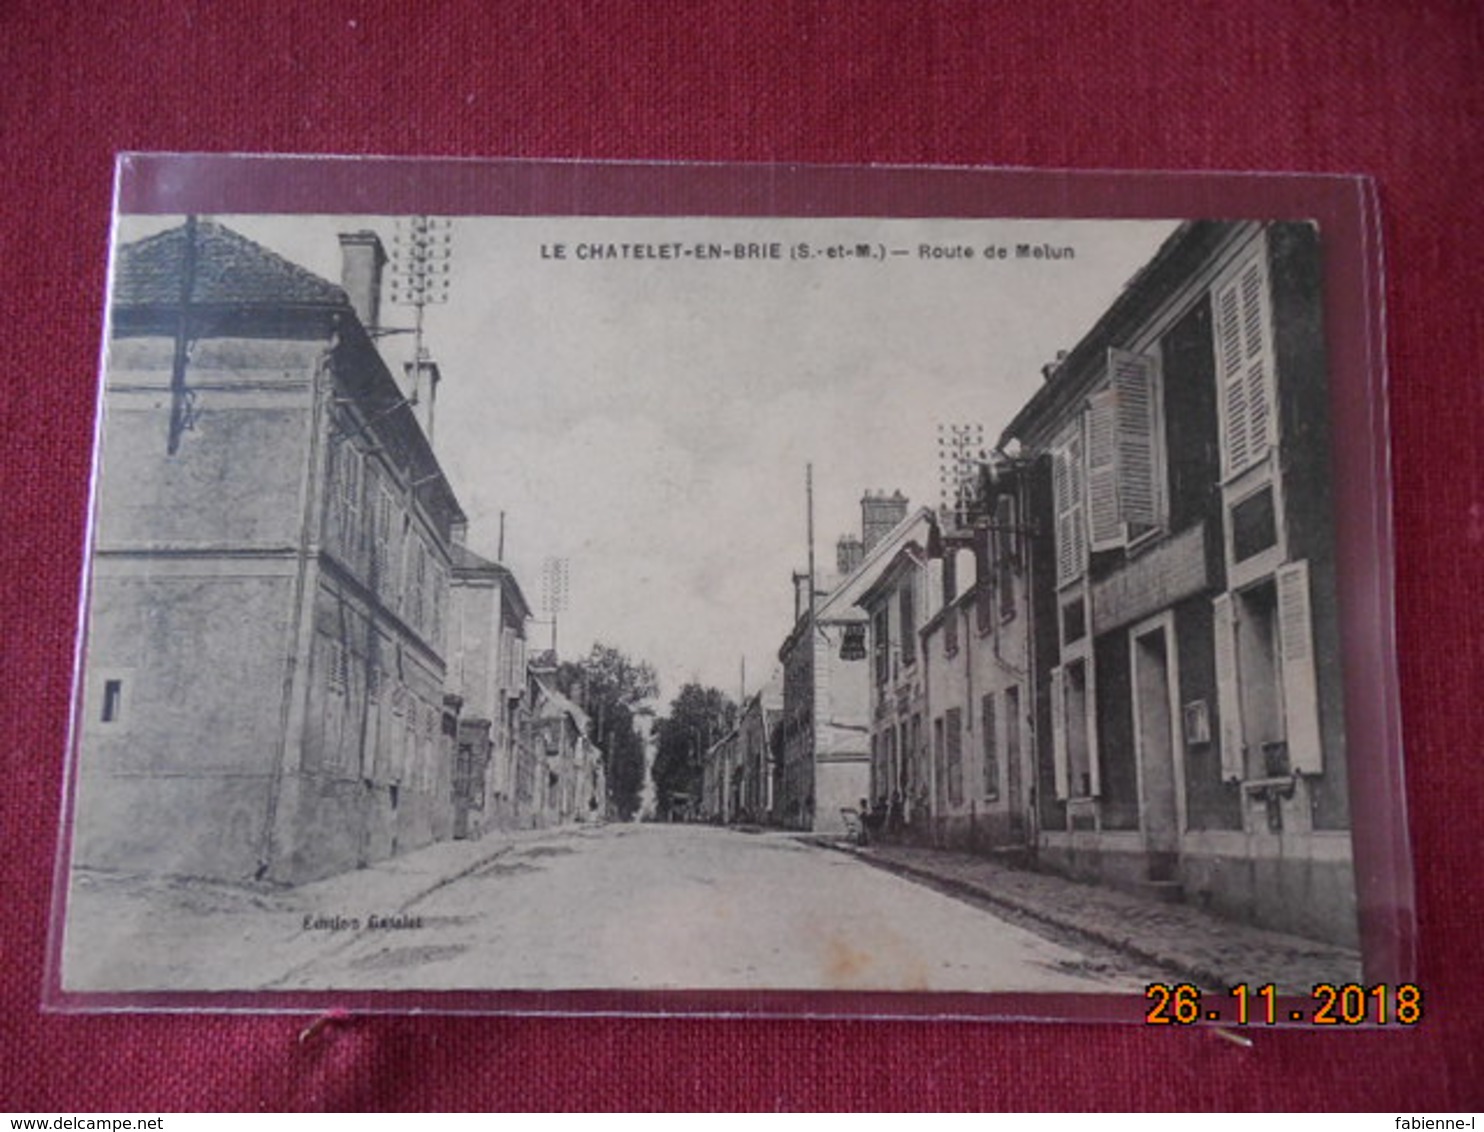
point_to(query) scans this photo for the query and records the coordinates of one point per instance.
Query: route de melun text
(740, 252)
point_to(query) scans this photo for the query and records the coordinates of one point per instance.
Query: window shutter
(1009, 556)
(1059, 730)
(1076, 475)
(1094, 776)
(1243, 353)
(1300, 695)
(1105, 526)
(1256, 340)
(1067, 488)
(1228, 705)
(1133, 378)
(989, 740)
(1006, 538)
(1061, 488)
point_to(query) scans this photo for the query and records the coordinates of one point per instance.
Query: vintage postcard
(504, 601)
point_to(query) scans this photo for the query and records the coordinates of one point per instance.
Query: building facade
(977, 675)
(898, 604)
(571, 783)
(823, 740)
(267, 619)
(1185, 611)
(487, 666)
(756, 726)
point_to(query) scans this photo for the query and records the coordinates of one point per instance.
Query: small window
(883, 648)
(1073, 621)
(1254, 525)
(113, 701)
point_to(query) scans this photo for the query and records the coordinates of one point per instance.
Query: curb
(1192, 969)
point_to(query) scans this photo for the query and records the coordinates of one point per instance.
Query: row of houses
(1120, 661)
(295, 663)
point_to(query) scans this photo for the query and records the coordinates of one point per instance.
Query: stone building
(898, 604)
(571, 784)
(823, 738)
(977, 675)
(487, 668)
(265, 644)
(1186, 631)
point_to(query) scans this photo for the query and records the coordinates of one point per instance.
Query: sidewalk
(1210, 951)
(137, 933)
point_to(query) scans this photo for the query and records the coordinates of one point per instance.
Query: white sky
(650, 421)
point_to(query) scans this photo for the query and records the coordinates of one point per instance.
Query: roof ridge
(229, 268)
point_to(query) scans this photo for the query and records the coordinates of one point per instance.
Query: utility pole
(813, 676)
(421, 250)
(554, 591)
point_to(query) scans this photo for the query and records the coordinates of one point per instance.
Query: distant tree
(698, 717)
(609, 685)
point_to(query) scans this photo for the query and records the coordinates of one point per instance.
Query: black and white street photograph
(520, 603)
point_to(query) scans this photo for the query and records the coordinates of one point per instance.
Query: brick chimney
(849, 552)
(361, 261)
(879, 514)
(801, 593)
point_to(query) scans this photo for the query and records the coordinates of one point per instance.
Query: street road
(657, 906)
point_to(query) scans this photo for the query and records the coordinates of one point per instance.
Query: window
(1012, 744)
(1067, 494)
(113, 701)
(1073, 621)
(1074, 730)
(1244, 368)
(338, 667)
(940, 773)
(882, 643)
(955, 756)
(908, 609)
(1266, 694)
(1007, 555)
(991, 749)
(914, 770)
(347, 467)
(889, 760)
(1254, 524)
(381, 556)
(1124, 494)
(1107, 478)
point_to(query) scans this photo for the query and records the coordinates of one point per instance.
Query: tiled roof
(229, 268)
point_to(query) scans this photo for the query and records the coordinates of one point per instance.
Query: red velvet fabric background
(1394, 90)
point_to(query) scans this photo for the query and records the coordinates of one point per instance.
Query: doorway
(1157, 745)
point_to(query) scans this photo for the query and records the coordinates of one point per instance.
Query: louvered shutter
(1256, 342)
(1228, 704)
(1300, 695)
(1133, 378)
(1094, 776)
(1076, 476)
(1059, 730)
(1066, 550)
(1104, 523)
(989, 742)
(1243, 355)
